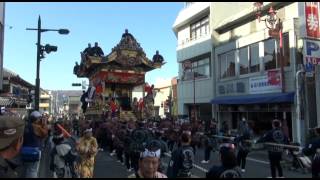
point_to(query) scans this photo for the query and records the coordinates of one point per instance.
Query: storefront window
(254, 61)
(227, 64)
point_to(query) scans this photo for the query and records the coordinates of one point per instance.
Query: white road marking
(259, 161)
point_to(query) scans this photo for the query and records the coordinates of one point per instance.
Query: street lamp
(40, 55)
(274, 24)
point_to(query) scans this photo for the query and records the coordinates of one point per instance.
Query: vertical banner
(312, 19)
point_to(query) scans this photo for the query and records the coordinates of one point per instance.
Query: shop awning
(255, 98)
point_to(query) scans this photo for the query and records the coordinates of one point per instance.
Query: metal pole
(298, 118)
(194, 97)
(281, 59)
(37, 90)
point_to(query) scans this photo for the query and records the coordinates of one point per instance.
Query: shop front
(259, 110)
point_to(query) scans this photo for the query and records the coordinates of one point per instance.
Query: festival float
(115, 76)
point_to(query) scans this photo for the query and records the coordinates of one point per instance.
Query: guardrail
(266, 143)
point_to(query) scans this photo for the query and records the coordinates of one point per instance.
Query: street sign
(76, 84)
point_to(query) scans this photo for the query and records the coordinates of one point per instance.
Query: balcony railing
(193, 39)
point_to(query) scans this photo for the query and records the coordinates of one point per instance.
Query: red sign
(274, 77)
(312, 19)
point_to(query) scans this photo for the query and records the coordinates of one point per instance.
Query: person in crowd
(208, 147)
(313, 149)
(225, 130)
(182, 159)
(228, 167)
(35, 133)
(276, 135)
(119, 144)
(244, 147)
(127, 151)
(75, 126)
(11, 138)
(60, 161)
(243, 126)
(158, 134)
(149, 162)
(84, 102)
(114, 107)
(97, 51)
(134, 105)
(87, 148)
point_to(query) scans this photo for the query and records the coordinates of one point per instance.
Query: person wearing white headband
(148, 164)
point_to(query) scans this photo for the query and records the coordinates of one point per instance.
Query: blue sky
(104, 22)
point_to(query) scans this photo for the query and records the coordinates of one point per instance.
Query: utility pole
(37, 90)
(40, 50)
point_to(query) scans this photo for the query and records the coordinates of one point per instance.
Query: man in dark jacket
(228, 167)
(97, 51)
(88, 51)
(276, 135)
(157, 58)
(182, 159)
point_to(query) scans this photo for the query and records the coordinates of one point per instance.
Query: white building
(163, 90)
(242, 76)
(192, 30)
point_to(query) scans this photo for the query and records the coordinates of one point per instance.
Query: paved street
(257, 166)
(107, 166)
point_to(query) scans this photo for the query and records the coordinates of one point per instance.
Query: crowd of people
(139, 146)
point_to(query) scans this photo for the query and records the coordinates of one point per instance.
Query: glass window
(244, 60)
(201, 68)
(227, 64)
(269, 59)
(199, 28)
(223, 67)
(254, 61)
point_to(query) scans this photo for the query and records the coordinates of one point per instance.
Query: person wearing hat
(87, 148)
(34, 135)
(275, 135)
(313, 149)
(228, 167)
(149, 162)
(11, 140)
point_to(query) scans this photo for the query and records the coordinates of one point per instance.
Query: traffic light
(48, 48)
